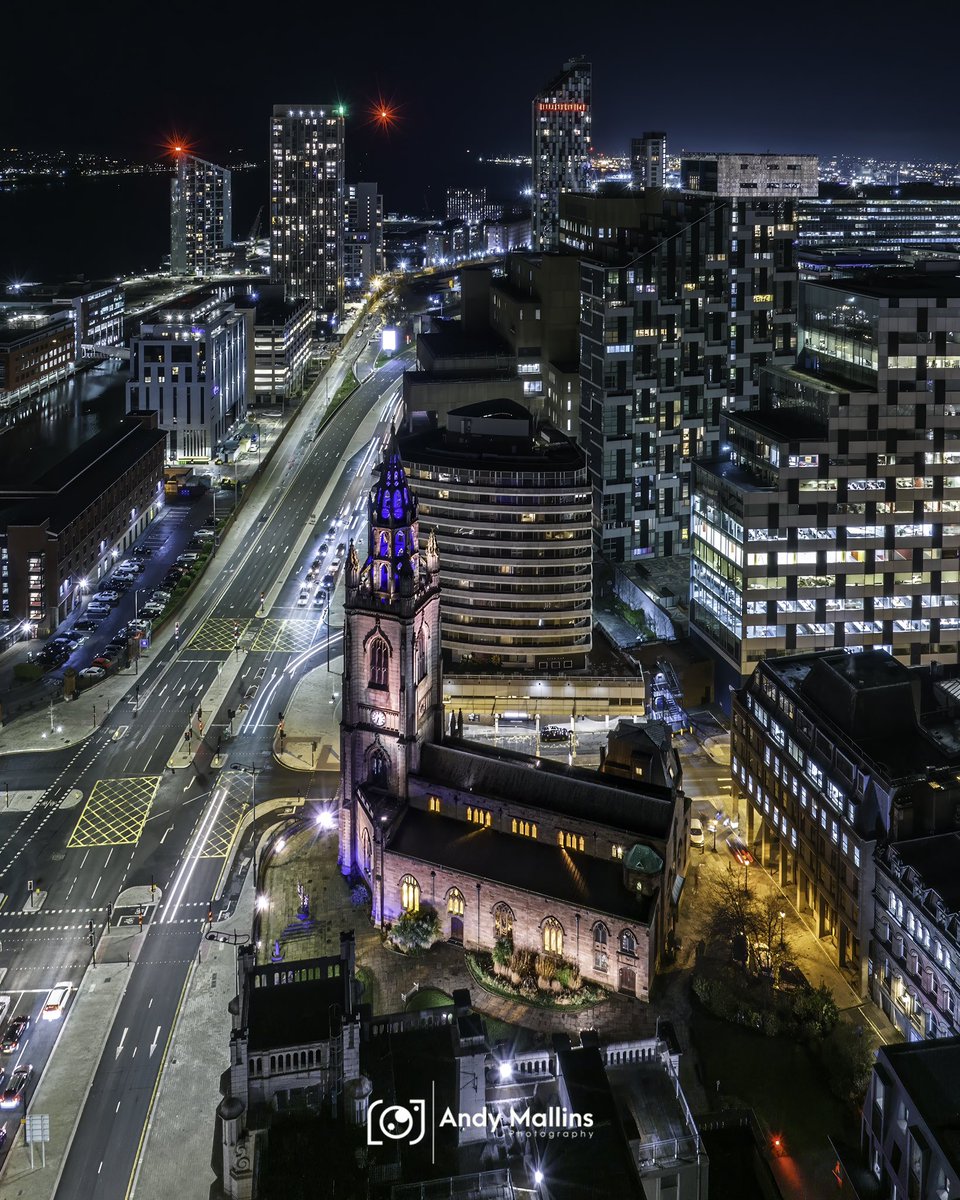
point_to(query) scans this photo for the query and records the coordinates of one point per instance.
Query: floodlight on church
(326, 820)
(506, 1071)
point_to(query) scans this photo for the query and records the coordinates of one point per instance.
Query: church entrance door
(628, 980)
(456, 928)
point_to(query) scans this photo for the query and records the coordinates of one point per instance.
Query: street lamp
(782, 943)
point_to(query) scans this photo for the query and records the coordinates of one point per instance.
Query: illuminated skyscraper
(648, 160)
(307, 204)
(561, 145)
(200, 217)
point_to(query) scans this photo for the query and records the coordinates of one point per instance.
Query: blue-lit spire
(393, 527)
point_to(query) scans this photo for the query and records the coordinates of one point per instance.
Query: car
(117, 643)
(303, 598)
(137, 627)
(141, 552)
(106, 661)
(14, 1035)
(160, 596)
(696, 832)
(320, 598)
(121, 583)
(554, 733)
(98, 608)
(201, 535)
(152, 611)
(189, 557)
(740, 851)
(68, 643)
(324, 548)
(133, 566)
(228, 483)
(341, 549)
(16, 1086)
(332, 531)
(56, 1002)
(93, 673)
(311, 574)
(85, 625)
(329, 579)
(209, 523)
(109, 598)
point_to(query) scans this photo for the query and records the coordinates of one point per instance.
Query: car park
(14, 1034)
(93, 673)
(16, 1085)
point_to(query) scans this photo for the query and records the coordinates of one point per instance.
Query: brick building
(64, 532)
(563, 861)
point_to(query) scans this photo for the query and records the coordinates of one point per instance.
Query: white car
(56, 1002)
(107, 598)
(160, 597)
(93, 673)
(303, 598)
(131, 565)
(97, 609)
(696, 832)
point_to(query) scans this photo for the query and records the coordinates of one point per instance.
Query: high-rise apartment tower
(200, 216)
(308, 204)
(561, 146)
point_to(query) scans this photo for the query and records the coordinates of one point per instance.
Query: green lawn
(428, 997)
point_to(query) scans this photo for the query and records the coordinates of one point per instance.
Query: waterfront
(41, 432)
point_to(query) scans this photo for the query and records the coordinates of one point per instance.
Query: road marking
(119, 1049)
(96, 885)
(156, 1039)
(164, 838)
(115, 812)
(117, 1109)
(100, 1168)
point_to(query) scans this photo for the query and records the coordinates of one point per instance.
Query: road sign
(29, 885)
(37, 1127)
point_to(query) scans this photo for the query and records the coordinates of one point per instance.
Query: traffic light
(91, 932)
(199, 726)
(231, 713)
(199, 712)
(109, 911)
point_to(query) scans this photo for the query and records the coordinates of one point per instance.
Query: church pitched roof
(645, 810)
(540, 867)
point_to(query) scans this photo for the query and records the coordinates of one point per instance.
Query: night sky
(820, 77)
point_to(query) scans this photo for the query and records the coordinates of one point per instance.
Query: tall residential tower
(307, 204)
(200, 216)
(561, 145)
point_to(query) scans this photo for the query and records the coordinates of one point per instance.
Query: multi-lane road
(138, 822)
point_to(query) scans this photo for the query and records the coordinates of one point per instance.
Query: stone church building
(582, 865)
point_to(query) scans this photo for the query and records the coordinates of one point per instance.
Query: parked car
(203, 534)
(16, 1085)
(105, 661)
(152, 611)
(136, 627)
(14, 1035)
(97, 608)
(141, 552)
(85, 625)
(63, 639)
(132, 564)
(107, 598)
(696, 832)
(189, 557)
(93, 673)
(160, 596)
(554, 733)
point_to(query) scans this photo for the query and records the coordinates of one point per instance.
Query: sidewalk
(312, 718)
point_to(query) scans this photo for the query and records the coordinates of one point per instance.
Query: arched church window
(384, 546)
(379, 768)
(552, 936)
(365, 848)
(455, 902)
(384, 579)
(420, 654)
(398, 543)
(409, 894)
(503, 921)
(379, 663)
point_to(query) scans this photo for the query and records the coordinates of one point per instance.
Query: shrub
(415, 931)
(522, 963)
(502, 951)
(360, 895)
(546, 967)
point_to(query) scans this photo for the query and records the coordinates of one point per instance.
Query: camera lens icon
(396, 1122)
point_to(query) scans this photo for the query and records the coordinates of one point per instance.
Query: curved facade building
(510, 504)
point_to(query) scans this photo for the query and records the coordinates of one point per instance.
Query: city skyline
(860, 112)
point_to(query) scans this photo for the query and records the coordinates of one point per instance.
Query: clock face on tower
(378, 717)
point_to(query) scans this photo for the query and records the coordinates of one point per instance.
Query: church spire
(394, 530)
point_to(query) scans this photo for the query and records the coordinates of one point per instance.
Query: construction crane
(255, 228)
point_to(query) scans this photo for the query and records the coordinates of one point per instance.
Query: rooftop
(782, 424)
(935, 861)
(645, 810)
(518, 862)
(293, 1014)
(903, 284)
(929, 1072)
(76, 482)
(733, 474)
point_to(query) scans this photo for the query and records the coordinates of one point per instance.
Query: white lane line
(96, 885)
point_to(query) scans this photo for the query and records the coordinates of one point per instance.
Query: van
(56, 1002)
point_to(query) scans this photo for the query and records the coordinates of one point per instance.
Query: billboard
(388, 340)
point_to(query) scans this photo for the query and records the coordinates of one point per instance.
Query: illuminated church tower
(392, 695)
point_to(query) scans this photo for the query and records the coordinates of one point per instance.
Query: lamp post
(782, 943)
(326, 589)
